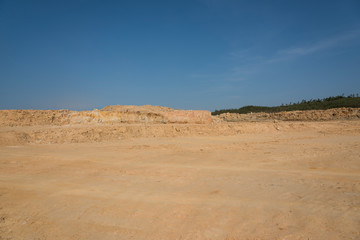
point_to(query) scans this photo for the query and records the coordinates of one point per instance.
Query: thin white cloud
(287, 54)
(324, 44)
(249, 63)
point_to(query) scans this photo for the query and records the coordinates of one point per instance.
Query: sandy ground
(273, 185)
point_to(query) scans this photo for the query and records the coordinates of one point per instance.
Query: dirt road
(272, 185)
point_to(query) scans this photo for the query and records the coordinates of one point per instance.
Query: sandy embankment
(171, 180)
(120, 122)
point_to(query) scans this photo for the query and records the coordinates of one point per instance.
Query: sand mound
(309, 115)
(133, 108)
(118, 122)
(109, 115)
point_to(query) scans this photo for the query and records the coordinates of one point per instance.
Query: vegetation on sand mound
(352, 101)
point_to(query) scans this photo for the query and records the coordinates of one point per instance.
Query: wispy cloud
(316, 47)
(296, 52)
(249, 61)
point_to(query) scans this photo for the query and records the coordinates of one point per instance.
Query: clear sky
(196, 54)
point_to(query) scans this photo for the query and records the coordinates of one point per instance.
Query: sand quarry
(127, 172)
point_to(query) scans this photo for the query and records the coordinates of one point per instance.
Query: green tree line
(353, 101)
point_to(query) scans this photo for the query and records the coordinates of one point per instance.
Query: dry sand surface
(247, 180)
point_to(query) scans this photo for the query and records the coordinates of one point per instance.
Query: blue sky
(199, 54)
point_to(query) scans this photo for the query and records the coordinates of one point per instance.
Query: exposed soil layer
(309, 115)
(109, 115)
